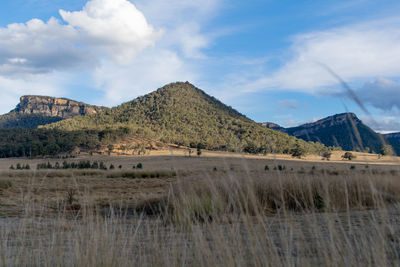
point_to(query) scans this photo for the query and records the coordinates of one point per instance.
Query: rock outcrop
(33, 111)
(54, 107)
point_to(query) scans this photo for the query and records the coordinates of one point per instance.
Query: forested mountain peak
(182, 114)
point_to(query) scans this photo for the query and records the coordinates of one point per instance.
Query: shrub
(349, 156)
(139, 166)
(266, 168)
(112, 167)
(120, 167)
(352, 167)
(326, 155)
(12, 167)
(387, 150)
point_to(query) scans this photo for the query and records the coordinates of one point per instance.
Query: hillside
(394, 141)
(33, 111)
(182, 114)
(341, 130)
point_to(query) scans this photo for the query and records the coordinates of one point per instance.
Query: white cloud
(104, 27)
(114, 25)
(355, 52)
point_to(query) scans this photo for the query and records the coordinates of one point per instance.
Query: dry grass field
(215, 210)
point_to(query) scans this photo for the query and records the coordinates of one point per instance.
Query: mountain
(33, 111)
(394, 141)
(344, 130)
(180, 113)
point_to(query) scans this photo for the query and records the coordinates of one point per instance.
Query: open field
(212, 210)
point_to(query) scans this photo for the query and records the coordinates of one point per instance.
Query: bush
(112, 167)
(139, 166)
(266, 168)
(326, 155)
(387, 150)
(349, 156)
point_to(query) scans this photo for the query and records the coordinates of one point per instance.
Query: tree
(326, 155)
(298, 151)
(387, 150)
(349, 156)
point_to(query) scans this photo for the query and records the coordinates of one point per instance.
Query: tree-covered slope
(179, 113)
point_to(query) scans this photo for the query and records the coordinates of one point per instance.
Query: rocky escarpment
(54, 107)
(33, 111)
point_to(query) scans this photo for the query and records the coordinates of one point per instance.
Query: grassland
(213, 210)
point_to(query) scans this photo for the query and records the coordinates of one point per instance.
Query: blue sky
(261, 57)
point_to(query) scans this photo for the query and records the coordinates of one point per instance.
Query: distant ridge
(33, 111)
(343, 130)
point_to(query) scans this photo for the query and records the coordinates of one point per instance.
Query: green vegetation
(30, 121)
(387, 150)
(84, 164)
(20, 142)
(181, 114)
(20, 166)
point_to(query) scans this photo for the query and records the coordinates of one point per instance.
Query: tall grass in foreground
(280, 220)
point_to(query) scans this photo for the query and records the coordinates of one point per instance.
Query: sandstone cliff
(54, 107)
(33, 111)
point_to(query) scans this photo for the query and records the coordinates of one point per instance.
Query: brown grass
(222, 212)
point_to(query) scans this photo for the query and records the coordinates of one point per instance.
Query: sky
(273, 60)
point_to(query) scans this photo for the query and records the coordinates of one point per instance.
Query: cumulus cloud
(104, 27)
(381, 93)
(39, 47)
(116, 26)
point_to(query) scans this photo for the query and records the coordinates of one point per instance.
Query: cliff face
(33, 111)
(54, 107)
